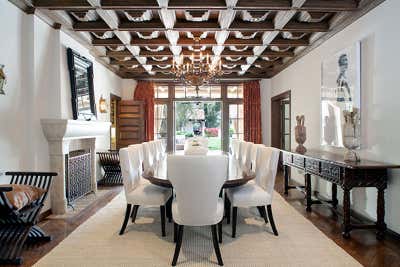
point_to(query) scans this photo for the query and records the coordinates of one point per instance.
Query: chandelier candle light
(198, 71)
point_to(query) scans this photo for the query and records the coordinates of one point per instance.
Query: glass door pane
(198, 118)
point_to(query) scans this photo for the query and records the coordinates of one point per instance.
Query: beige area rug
(97, 243)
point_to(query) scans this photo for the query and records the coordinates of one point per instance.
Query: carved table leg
(380, 212)
(334, 196)
(286, 178)
(346, 213)
(308, 191)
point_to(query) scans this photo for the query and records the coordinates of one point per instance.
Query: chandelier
(198, 70)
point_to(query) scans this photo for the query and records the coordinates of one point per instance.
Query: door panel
(130, 116)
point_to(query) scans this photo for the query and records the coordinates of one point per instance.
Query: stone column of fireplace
(59, 134)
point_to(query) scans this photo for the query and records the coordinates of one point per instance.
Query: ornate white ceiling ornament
(240, 35)
(191, 36)
(157, 49)
(289, 35)
(163, 67)
(278, 48)
(202, 48)
(270, 58)
(232, 66)
(203, 17)
(116, 48)
(305, 16)
(125, 58)
(233, 59)
(85, 16)
(146, 16)
(104, 35)
(234, 48)
(153, 35)
(159, 59)
(132, 66)
(166, 72)
(258, 66)
(247, 16)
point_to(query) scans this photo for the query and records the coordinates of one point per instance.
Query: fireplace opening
(78, 175)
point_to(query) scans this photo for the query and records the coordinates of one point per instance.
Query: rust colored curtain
(145, 92)
(252, 112)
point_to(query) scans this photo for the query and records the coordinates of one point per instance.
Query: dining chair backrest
(156, 154)
(131, 166)
(160, 149)
(255, 149)
(245, 155)
(267, 165)
(197, 182)
(148, 157)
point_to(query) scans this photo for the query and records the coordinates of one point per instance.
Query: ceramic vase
(351, 134)
(300, 134)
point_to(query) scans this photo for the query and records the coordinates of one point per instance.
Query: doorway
(281, 121)
(114, 100)
(198, 118)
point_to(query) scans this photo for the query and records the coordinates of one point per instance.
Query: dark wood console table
(347, 175)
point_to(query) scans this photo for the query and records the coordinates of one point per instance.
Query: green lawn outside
(214, 143)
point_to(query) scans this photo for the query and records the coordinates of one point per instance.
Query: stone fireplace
(64, 136)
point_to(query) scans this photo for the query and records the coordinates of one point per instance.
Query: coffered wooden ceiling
(254, 38)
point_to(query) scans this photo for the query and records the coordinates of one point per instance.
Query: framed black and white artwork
(340, 91)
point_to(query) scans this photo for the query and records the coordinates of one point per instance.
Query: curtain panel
(252, 112)
(145, 92)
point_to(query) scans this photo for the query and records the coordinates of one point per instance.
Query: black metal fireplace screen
(78, 175)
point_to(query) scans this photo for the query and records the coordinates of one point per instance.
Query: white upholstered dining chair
(245, 149)
(137, 192)
(197, 182)
(148, 158)
(258, 193)
(234, 168)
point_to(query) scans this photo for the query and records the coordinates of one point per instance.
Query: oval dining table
(161, 179)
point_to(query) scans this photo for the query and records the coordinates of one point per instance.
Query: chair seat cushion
(216, 219)
(147, 194)
(23, 195)
(249, 195)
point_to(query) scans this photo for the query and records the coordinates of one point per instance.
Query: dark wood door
(130, 117)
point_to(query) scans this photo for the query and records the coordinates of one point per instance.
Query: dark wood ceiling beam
(164, 53)
(191, 42)
(252, 26)
(239, 62)
(263, 5)
(156, 41)
(197, 26)
(290, 42)
(142, 26)
(330, 5)
(241, 42)
(306, 27)
(62, 4)
(230, 53)
(130, 4)
(124, 63)
(92, 26)
(197, 4)
(268, 53)
(107, 42)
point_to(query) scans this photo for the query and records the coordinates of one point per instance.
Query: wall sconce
(3, 80)
(102, 104)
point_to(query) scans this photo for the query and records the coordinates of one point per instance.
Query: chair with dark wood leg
(18, 227)
(139, 192)
(259, 193)
(197, 182)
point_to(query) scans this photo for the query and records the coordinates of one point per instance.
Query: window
(236, 127)
(205, 91)
(160, 122)
(235, 91)
(161, 91)
(176, 103)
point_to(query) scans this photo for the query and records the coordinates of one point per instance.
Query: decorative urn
(2, 79)
(300, 134)
(351, 134)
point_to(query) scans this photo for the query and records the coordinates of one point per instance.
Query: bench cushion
(23, 195)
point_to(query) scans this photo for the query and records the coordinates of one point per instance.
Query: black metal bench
(109, 161)
(18, 227)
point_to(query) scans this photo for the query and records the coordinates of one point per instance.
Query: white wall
(38, 87)
(377, 32)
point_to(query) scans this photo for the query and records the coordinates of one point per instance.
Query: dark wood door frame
(276, 117)
(117, 99)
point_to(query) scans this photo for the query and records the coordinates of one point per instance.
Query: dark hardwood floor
(363, 245)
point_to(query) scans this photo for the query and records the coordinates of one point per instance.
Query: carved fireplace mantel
(59, 134)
